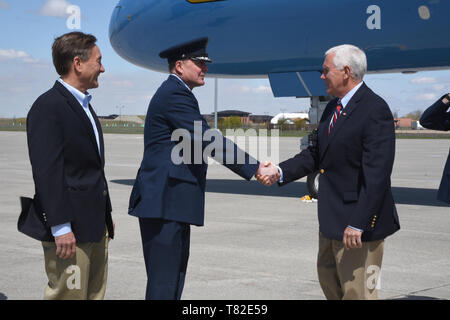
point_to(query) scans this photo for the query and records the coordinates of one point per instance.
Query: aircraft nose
(138, 30)
(119, 19)
(115, 21)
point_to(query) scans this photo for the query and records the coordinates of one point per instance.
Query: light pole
(216, 90)
(120, 111)
(282, 117)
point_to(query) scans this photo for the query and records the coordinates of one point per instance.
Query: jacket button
(105, 193)
(322, 171)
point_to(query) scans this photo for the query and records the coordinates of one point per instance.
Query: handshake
(267, 173)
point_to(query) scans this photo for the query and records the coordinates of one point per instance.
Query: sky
(28, 28)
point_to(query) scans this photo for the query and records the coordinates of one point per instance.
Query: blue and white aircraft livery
(257, 38)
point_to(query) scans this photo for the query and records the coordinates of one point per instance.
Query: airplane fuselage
(259, 37)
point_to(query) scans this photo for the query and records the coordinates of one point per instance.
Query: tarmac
(257, 243)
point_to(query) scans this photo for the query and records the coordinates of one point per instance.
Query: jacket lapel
(78, 109)
(323, 130)
(349, 108)
(100, 135)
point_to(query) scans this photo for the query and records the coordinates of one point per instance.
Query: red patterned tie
(336, 115)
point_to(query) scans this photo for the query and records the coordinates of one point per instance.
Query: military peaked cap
(195, 50)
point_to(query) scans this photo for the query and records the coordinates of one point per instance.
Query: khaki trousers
(349, 274)
(81, 278)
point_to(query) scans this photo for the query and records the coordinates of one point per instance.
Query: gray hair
(352, 56)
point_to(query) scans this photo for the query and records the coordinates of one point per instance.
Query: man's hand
(352, 238)
(267, 173)
(66, 246)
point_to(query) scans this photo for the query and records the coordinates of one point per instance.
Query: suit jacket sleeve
(300, 165)
(377, 162)
(46, 147)
(307, 161)
(436, 117)
(184, 114)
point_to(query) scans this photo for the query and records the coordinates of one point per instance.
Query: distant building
(110, 117)
(246, 117)
(208, 117)
(416, 125)
(403, 123)
(289, 116)
(234, 113)
(260, 119)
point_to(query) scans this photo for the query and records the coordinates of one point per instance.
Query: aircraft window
(202, 1)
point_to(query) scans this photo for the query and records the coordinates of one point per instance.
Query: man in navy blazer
(437, 117)
(355, 156)
(169, 196)
(67, 155)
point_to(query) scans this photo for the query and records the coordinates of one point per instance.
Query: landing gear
(318, 105)
(312, 184)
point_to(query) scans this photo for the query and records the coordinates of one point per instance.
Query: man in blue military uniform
(437, 117)
(169, 197)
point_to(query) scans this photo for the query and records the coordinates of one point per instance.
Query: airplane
(285, 40)
(260, 38)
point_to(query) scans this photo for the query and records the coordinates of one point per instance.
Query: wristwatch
(446, 99)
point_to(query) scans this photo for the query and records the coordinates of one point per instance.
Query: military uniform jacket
(355, 162)
(437, 117)
(68, 170)
(176, 191)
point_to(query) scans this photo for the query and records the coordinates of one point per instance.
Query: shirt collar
(173, 74)
(350, 94)
(83, 99)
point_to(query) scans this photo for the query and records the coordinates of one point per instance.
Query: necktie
(336, 115)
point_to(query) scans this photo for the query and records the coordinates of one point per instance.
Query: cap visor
(205, 59)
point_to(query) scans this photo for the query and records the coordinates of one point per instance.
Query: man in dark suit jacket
(355, 155)
(437, 117)
(66, 150)
(169, 195)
